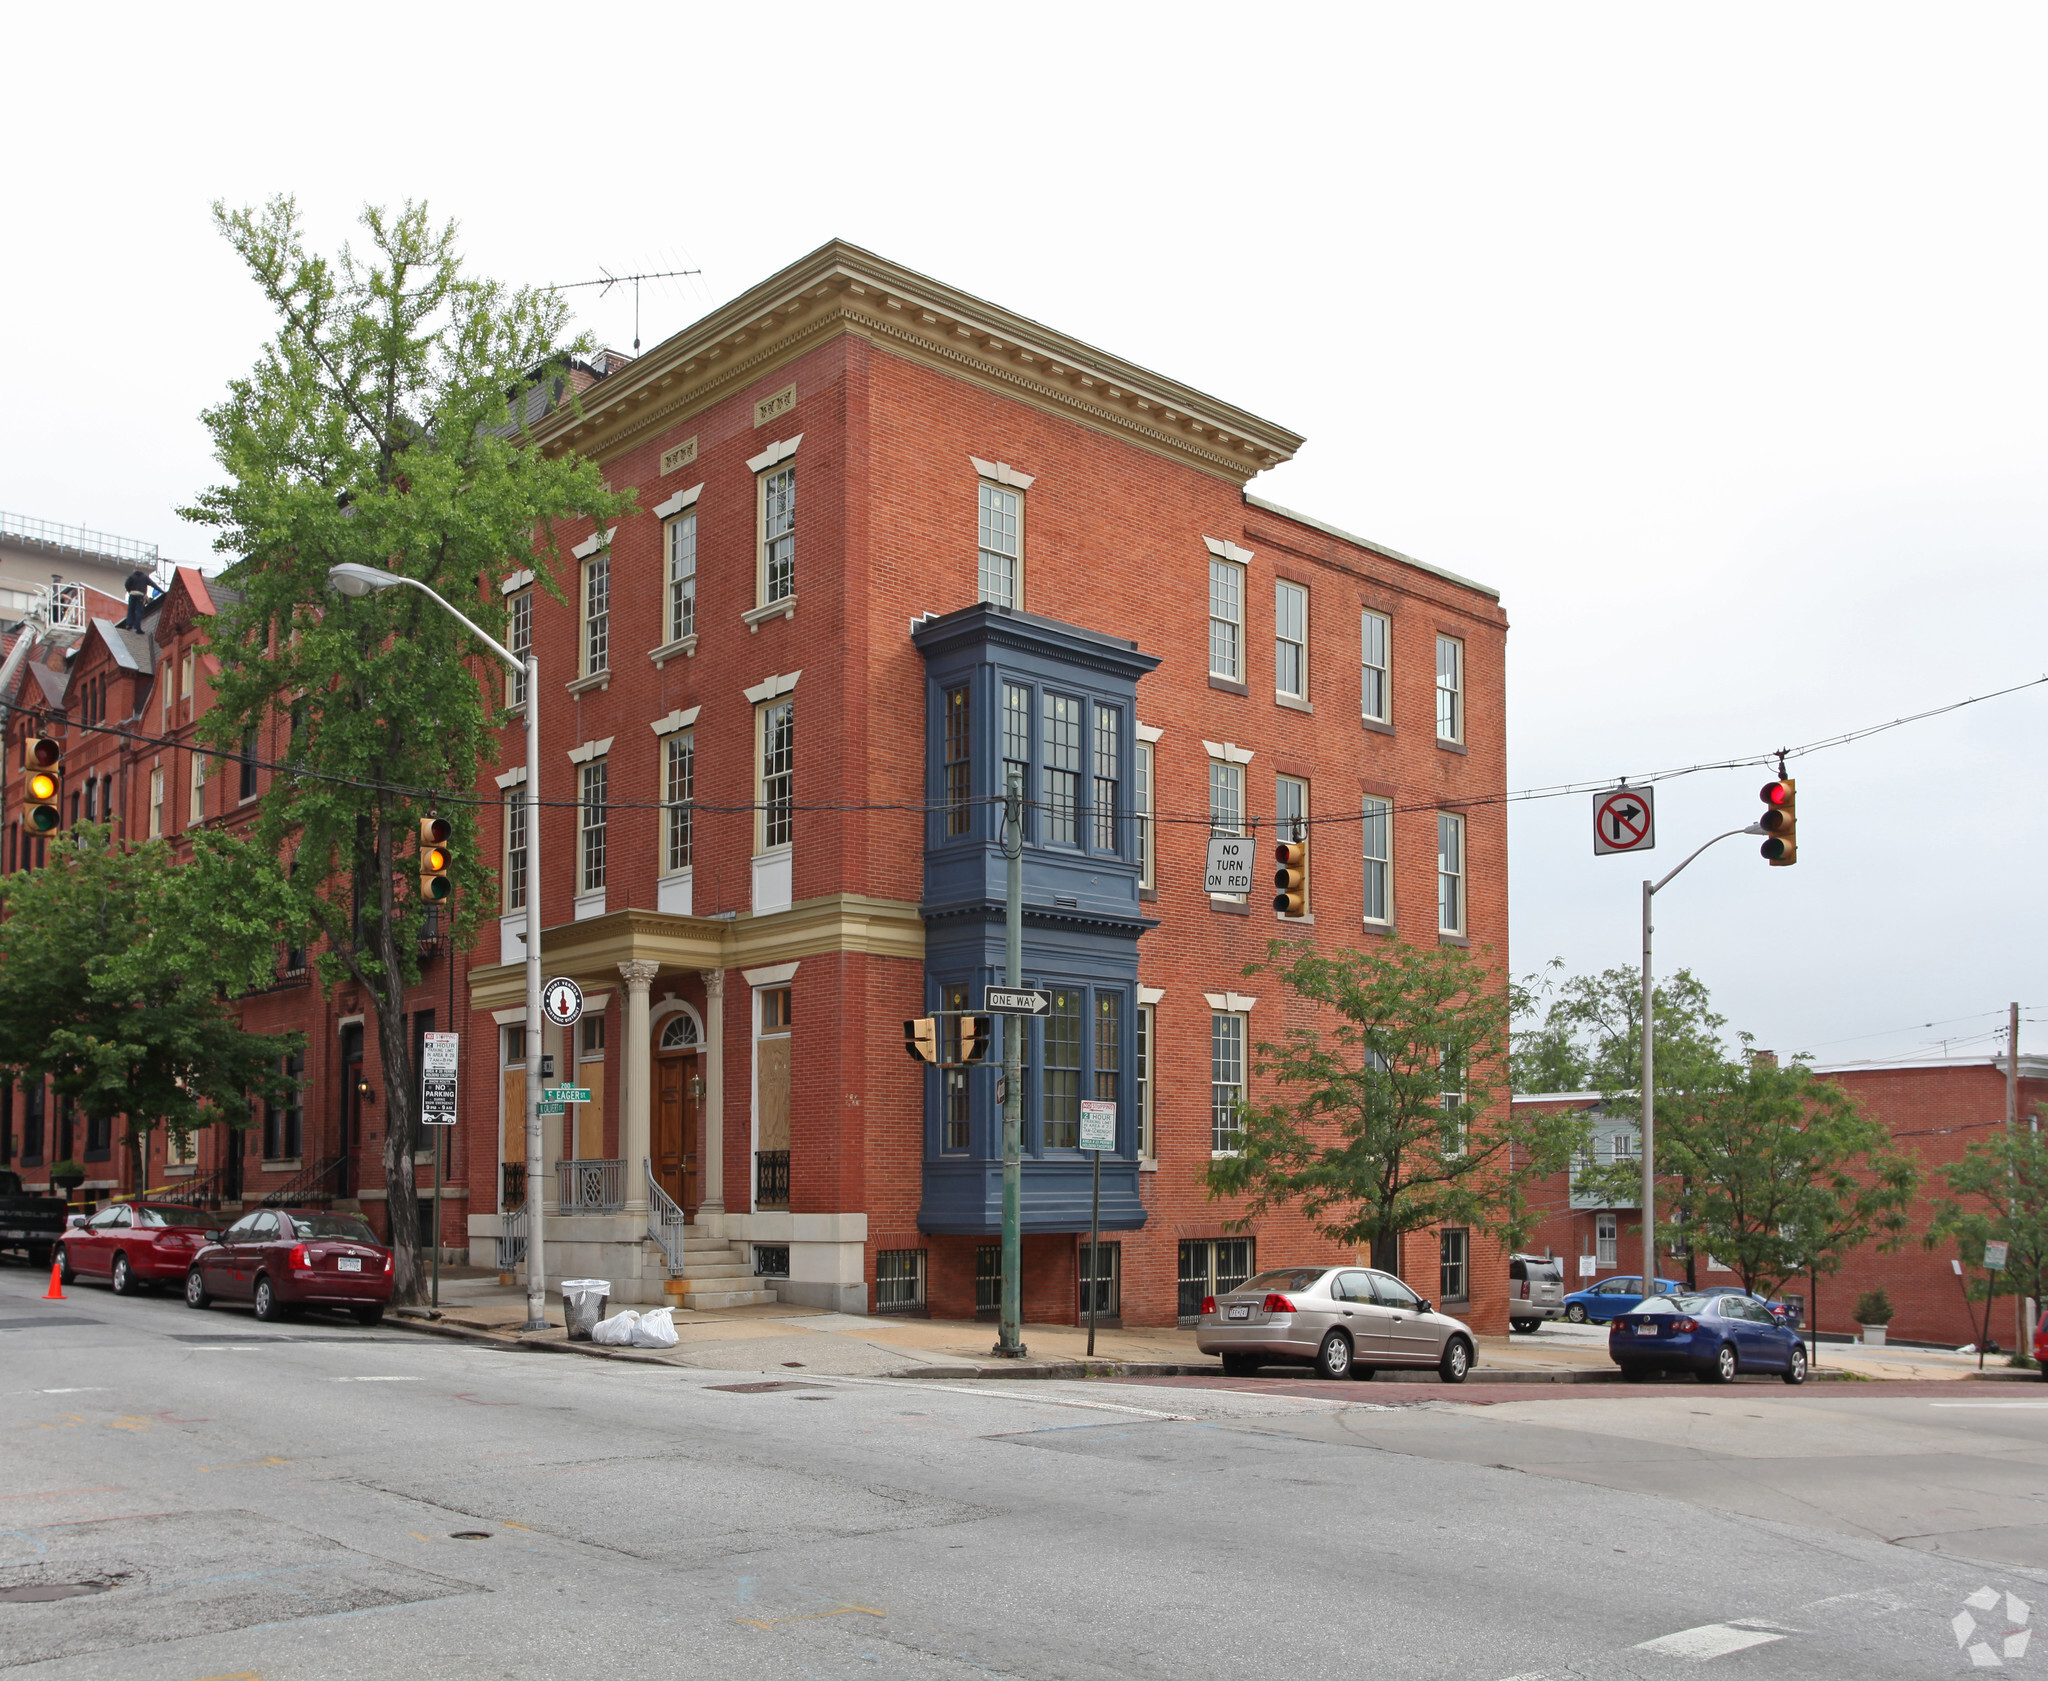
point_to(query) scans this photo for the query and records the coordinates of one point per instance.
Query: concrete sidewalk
(778, 1339)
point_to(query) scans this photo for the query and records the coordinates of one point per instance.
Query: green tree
(117, 970)
(1386, 1117)
(380, 425)
(1998, 1192)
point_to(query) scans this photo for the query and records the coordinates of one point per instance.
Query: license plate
(349, 1263)
(1646, 1330)
(1241, 1312)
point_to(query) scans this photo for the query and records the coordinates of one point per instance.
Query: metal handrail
(511, 1238)
(667, 1224)
(205, 1190)
(590, 1186)
(303, 1185)
(77, 539)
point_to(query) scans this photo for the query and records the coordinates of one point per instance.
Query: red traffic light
(1780, 821)
(41, 752)
(436, 831)
(1776, 793)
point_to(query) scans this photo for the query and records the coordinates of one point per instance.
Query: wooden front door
(676, 1128)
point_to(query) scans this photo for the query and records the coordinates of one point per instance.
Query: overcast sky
(1713, 337)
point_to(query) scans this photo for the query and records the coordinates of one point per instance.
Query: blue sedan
(1602, 1301)
(1713, 1337)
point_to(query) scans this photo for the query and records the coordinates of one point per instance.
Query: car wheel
(1527, 1327)
(195, 1289)
(1795, 1368)
(369, 1315)
(268, 1307)
(1240, 1365)
(2044, 1370)
(1636, 1374)
(1576, 1313)
(1723, 1369)
(1333, 1359)
(1457, 1361)
(64, 1268)
(125, 1281)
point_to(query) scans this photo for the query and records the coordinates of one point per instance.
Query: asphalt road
(317, 1501)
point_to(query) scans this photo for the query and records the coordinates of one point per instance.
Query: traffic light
(1780, 821)
(1290, 880)
(42, 783)
(921, 1039)
(435, 858)
(976, 1033)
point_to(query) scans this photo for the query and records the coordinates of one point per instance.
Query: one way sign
(1624, 820)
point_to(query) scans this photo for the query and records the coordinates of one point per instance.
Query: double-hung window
(1452, 1266)
(1290, 641)
(1450, 689)
(1016, 739)
(1109, 1045)
(778, 774)
(1226, 619)
(1001, 533)
(1375, 633)
(156, 803)
(959, 751)
(1226, 1082)
(778, 535)
(1226, 804)
(1141, 814)
(591, 830)
(1108, 775)
(515, 850)
(679, 784)
(1377, 827)
(597, 613)
(199, 769)
(519, 638)
(1062, 740)
(1061, 1097)
(1450, 873)
(682, 575)
(1141, 1069)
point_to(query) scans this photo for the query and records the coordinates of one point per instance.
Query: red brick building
(895, 547)
(1933, 1111)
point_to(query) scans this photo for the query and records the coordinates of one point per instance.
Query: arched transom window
(680, 1034)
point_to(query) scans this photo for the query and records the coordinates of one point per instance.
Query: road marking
(244, 1465)
(987, 1392)
(811, 1616)
(1988, 1403)
(99, 1389)
(374, 1380)
(239, 1675)
(1709, 1640)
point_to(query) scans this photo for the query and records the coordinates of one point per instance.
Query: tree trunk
(401, 1114)
(1386, 1252)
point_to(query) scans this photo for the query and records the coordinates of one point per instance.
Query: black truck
(29, 1225)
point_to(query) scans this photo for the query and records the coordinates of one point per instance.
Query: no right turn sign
(1624, 820)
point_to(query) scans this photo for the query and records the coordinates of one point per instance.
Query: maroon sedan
(134, 1245)
(287, 1260)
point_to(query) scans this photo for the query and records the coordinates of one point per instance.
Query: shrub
(1873, 1307)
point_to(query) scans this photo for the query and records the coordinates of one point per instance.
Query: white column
(711, 1162)
(635, 1128)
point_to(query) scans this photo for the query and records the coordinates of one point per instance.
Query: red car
(2041, 1346)
(287, 1260)
(135, 1245)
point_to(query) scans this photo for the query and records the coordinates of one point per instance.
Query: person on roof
(141, 588)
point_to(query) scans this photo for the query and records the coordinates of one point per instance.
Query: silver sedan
(1344, 1321)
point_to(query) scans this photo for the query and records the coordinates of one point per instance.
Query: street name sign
(561, 1001)
(565, 1094)
(1232, 860)
(1098, 1126)
(1994, 1255)
(1624, 820)
(1007, 1001)
(554, 1109)
(437, 1078)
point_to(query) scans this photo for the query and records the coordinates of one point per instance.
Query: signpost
(1015, 1001)
(561, 1001)
(1098, 1133)
(1231, 863)
(437, 1109)
(1624, 820)
(1589, 1266)
(1994, 1252)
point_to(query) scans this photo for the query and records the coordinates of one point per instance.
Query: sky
(1713, 337)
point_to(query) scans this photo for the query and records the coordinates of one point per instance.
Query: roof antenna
(610, 280)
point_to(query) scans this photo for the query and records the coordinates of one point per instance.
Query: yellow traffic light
(435, 858)
(1290, 879)
(42, 783)
(921, 1039)
(1780, 821)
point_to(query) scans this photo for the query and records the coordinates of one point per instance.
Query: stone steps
(716, 1274)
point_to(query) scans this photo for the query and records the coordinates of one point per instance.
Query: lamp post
(351, 579)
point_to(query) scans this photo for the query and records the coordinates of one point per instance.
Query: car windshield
(1286, 1278)
(145, 1215)
(333, 1225)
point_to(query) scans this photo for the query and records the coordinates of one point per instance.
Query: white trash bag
(617, 1331)
(656, 1329)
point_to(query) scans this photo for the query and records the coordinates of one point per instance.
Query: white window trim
(517, 582)
(1386, 669)
(1457, 693)
(761, 847)
(1225, 550)
(1387, 863)
(1297, 699)
(584, 754)
(771, 688)
(774, 455)
(1017, 603)
(680, 719)
(678, 502)
(1002, 473)
(1228, 751)
(595, 541)
(1243, 670)
(512, 778)
(1463, 874)
(1228, 1003)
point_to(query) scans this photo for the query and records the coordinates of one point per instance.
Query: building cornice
(840, 288)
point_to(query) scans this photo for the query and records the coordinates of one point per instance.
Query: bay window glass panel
(1109, 1045)
(1061, 1106)
(1062, 770)
(954, 1126)
(1141, 811)
(959, 762)
(1016, 739)
(1108, 775)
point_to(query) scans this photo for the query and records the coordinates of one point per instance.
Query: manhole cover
(37, 1593)
(763, 1388)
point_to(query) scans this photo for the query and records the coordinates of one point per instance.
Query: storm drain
(761, 1388)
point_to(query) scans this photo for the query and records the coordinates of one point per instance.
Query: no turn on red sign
(1624, 820)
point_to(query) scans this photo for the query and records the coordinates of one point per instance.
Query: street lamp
(353, 580)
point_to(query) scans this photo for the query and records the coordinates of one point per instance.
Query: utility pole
(1010, 1335)
(2022, 1343)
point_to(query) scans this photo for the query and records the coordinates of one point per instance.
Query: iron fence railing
(667, 1224)
(320, 1183)
(512, 1184)
(76, 539)
(771, 1179)
(207, 1190)
(591, 1186)
(511, 1238)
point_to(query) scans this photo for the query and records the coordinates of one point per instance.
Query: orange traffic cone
(55, 1293)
